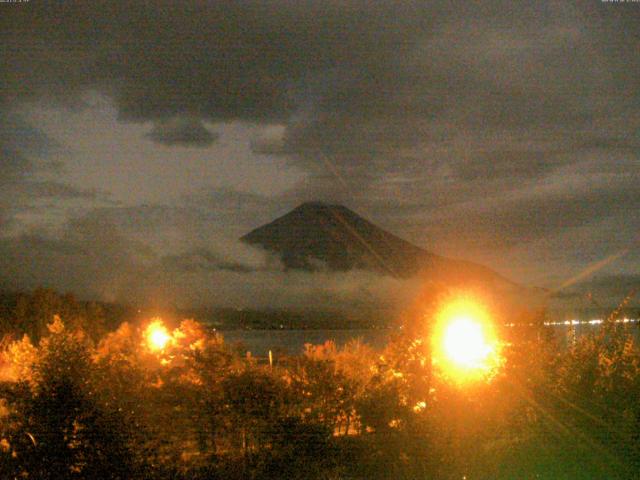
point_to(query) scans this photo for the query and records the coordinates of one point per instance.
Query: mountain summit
(317, 235)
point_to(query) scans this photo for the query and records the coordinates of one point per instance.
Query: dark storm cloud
(353, 80)
(619, 285)
(182, 131)
(590, 200)
(200, 260)
(89, 260)
(19, 138)
(530, 218)
(196, 220)
(97, 257)
(25, 155)
(445, 119)
(604, 293)
(481, 108)
(21, 149)
(225, 60)
(56, 190)
(514, 164)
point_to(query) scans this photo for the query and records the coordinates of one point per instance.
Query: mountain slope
(316, 235)
(320, 236)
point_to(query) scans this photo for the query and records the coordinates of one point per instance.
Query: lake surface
(259, 342)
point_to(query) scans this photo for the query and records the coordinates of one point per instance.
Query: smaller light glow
(157, 335)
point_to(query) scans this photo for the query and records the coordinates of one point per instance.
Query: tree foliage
(116, 406)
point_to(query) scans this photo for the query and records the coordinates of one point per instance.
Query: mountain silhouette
(319, 236)
(316, 235)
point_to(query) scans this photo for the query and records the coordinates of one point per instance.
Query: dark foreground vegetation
(80, 402)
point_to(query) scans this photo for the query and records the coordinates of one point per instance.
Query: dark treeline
(30, 313)
(117, 406)
(266, 319)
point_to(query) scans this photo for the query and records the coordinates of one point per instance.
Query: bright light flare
(464, 342)
(157, 335)
(465, 346)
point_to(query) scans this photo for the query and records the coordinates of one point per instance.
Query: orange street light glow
(464, 342)
(465, 346)
(157, 335)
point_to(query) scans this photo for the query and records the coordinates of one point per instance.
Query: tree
(61, 430)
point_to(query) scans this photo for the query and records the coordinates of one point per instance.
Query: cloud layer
(504, 133)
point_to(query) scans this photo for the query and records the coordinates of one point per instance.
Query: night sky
(139, 140)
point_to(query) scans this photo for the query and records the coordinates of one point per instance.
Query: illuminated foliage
(194, 407)
(59, 428)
